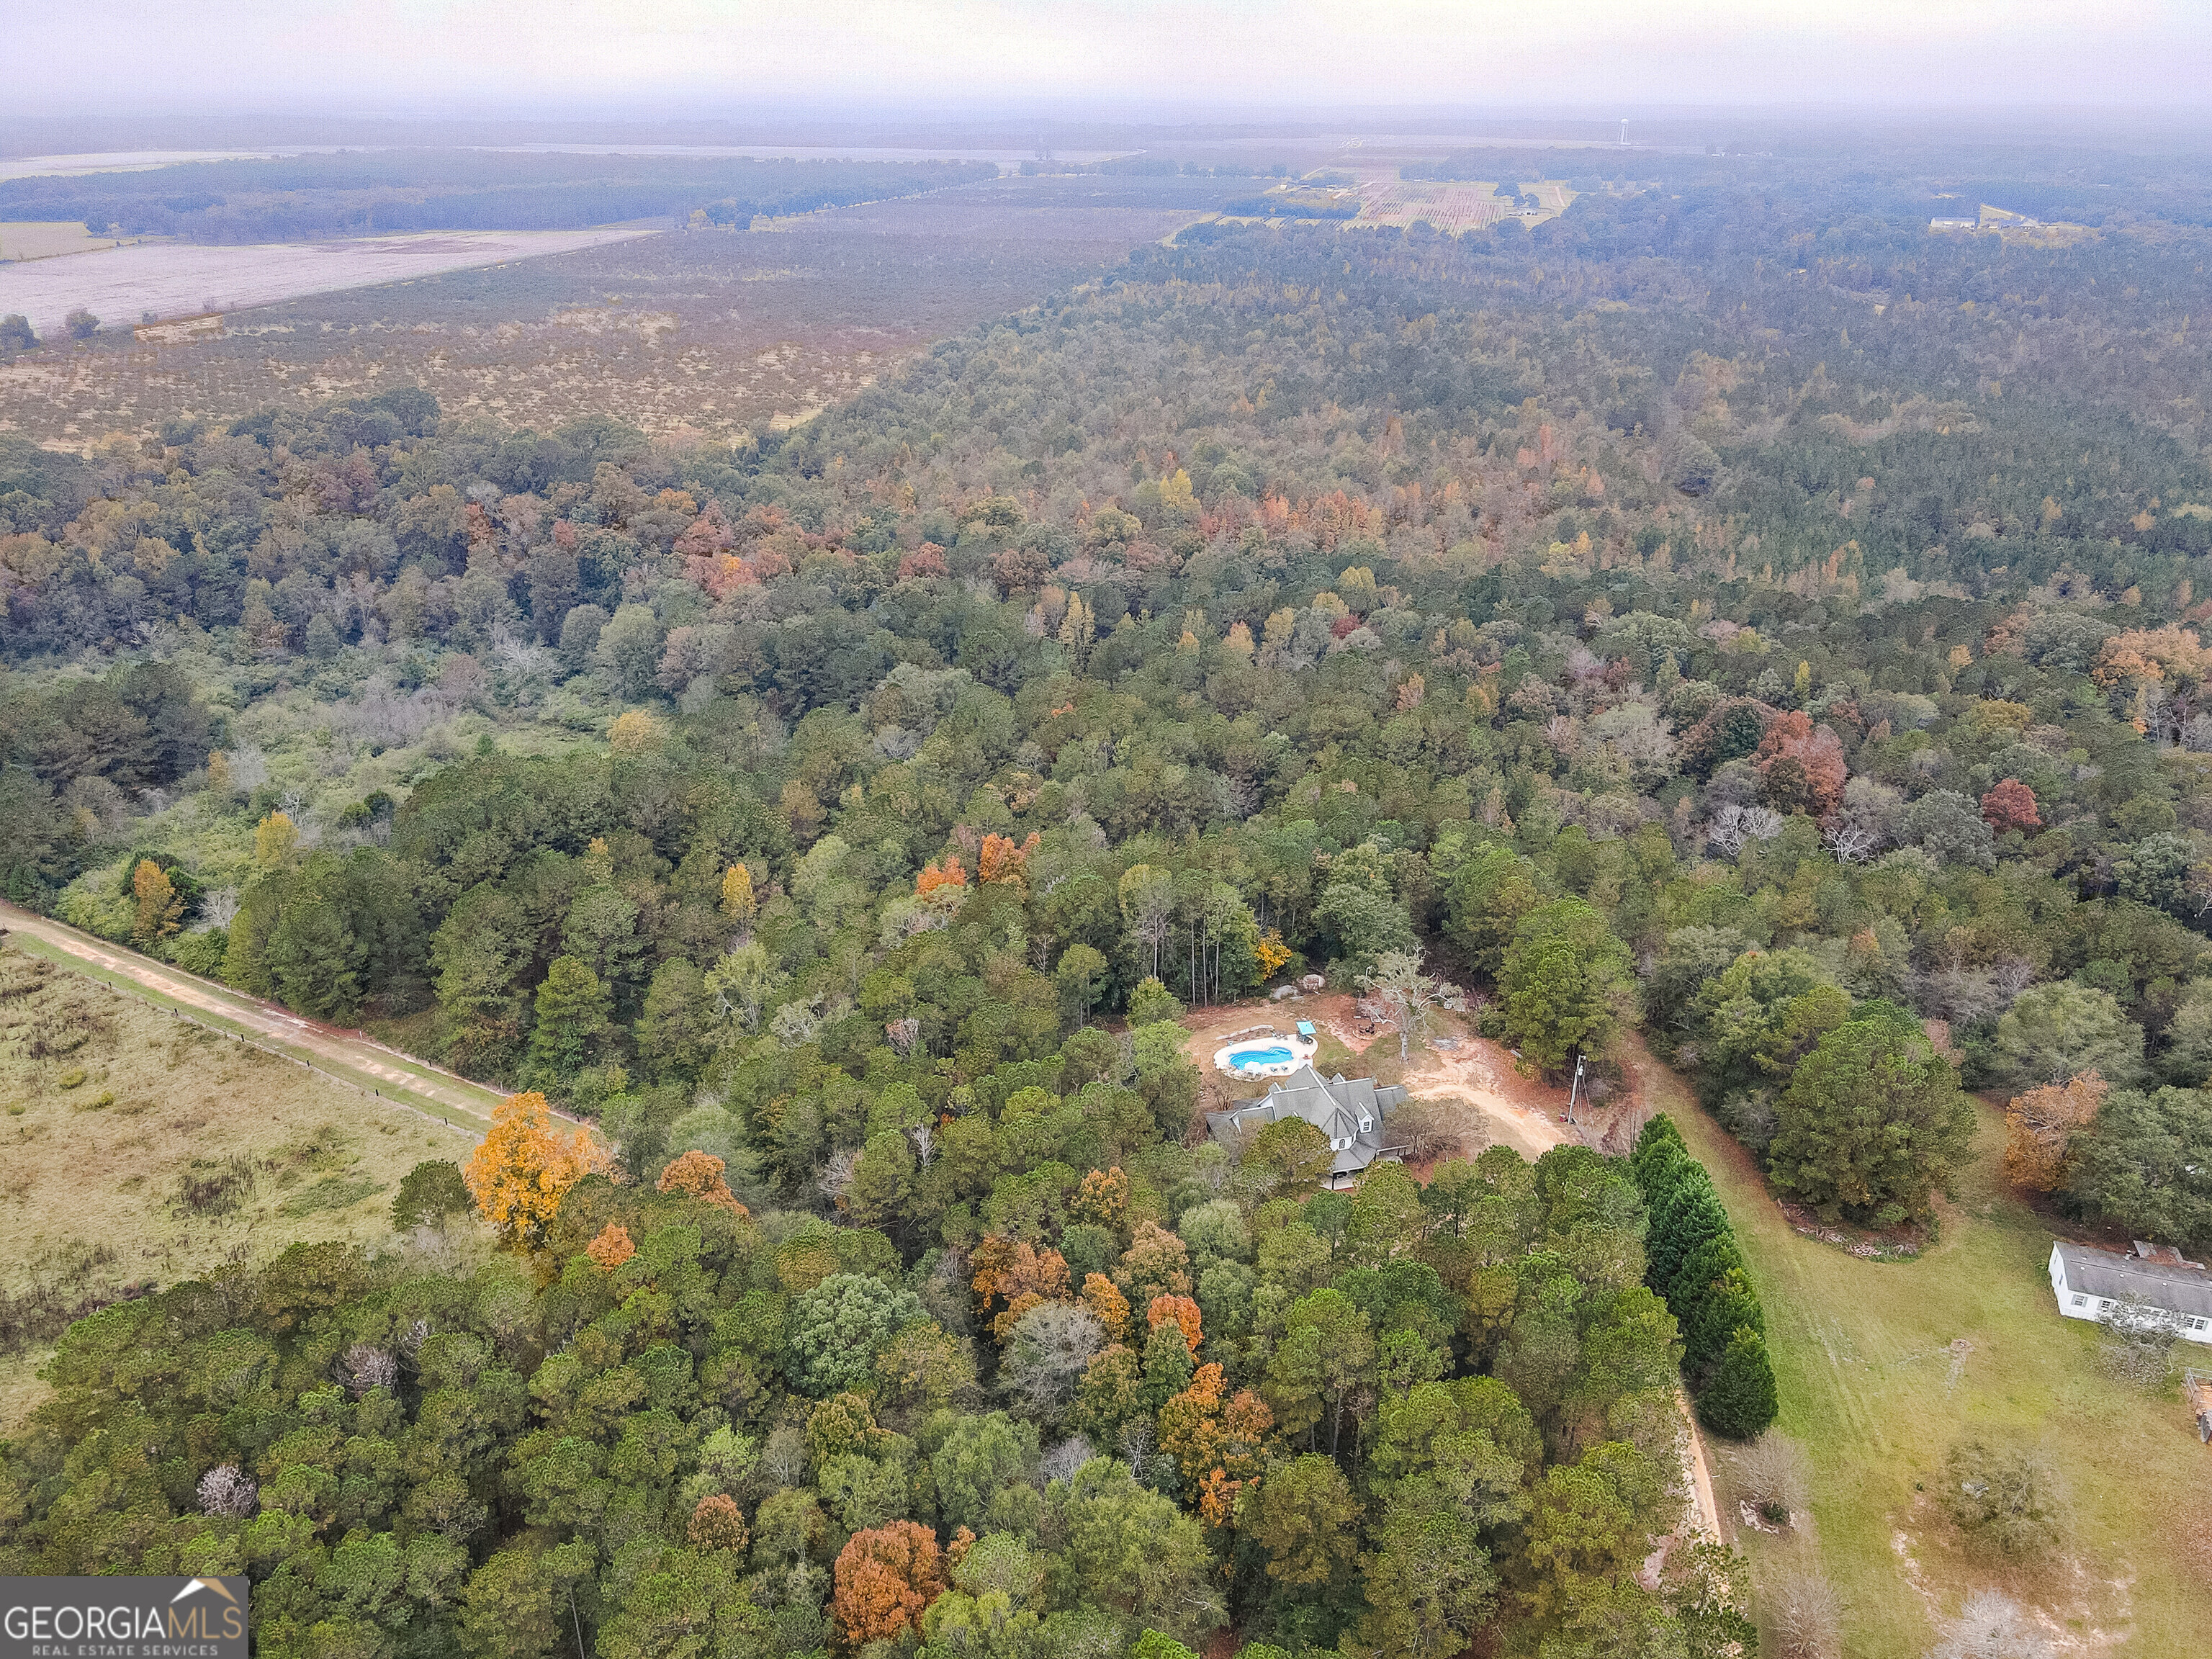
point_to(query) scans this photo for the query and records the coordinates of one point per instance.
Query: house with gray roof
(1351, 1114)
(2090, 1283)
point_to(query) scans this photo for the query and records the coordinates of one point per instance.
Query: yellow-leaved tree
(159, 908)
(275, 838)
(524, 1167)
(739, 902)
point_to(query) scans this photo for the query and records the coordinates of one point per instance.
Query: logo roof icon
(214, 1584)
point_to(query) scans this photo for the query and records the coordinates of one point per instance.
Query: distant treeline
(357, 192)
(2114, 190)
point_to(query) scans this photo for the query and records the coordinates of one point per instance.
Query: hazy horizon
(410, 59)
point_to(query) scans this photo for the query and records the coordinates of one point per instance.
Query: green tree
(1563, 980)
(1872, 1122)
(428, 1194)
(1081, 975)
(675, 1030)
(2145, 1163)
(1740, 1399)
(837, 1328)
(575, 1021)
(1487, 898)
(1305, 1516)
(2053, 1033)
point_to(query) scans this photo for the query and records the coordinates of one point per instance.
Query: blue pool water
(1259, 1057)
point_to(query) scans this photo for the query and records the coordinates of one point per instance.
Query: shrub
(2004, 1497)
(82, 324)
(1769, 1476)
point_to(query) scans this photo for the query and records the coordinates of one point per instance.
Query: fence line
(309, 1064)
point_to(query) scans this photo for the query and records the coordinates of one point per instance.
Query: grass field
(699, 334)
(1883, 1365)
(136, 1148)
(48, 239)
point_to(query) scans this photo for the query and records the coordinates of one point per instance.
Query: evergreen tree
(574, 1009)
(1739, 1399)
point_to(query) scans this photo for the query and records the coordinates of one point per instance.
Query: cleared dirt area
(139, 1150)
(178, 279)
(1471, 1082)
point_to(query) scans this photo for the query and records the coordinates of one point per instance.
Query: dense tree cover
(1170, 1394)
(354, 192)
(1287, 599)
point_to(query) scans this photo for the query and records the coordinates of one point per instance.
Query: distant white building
(1350, 1114)
(2090, 1283)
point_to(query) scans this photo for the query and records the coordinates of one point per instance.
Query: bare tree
(904, 1033)
(1407, 992)
(228, 1490)
(1808, 1617)
(1061, 1462)
(1770, 1476)
(836, 1176)
(363, 1367)
(1850, 843)
(1992, 1625)
(2138, 1345)
(1052, 1344)
(924, 1136)
(1735, 827)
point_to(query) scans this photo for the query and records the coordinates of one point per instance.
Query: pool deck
(1302, 1050)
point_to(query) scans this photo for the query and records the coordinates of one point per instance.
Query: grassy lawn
(1883, 1365)
(137, 1148)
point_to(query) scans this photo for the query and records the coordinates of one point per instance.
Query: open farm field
(703, 333)
(44, 239)
(144, 1150)
(173, 279)
(1453, 206)
(1884, 1366)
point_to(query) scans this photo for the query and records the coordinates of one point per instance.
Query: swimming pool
(1244, 1057)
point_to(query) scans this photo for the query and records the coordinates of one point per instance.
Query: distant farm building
(2092, 1284)
(1351, 1115)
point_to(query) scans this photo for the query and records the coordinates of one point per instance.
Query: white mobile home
(2090, 1283)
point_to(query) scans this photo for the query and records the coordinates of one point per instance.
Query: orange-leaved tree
(1014, 1275)
(1178, 1310)
(1003, 858)
(1103, 1199)
(886, 1578)
(1205, 1428)
(933, 876)
(1111, 1307)
(699, 1174)
(2010, 805)
(521, 1171)
(2040, 1126)
(611, 1248)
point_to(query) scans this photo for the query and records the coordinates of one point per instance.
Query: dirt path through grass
(348, 1056)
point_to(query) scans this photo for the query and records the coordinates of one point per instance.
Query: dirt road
(347, 1055)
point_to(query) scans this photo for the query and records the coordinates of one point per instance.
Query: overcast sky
(725, 57)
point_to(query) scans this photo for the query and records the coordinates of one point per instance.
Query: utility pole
(1575, 1090)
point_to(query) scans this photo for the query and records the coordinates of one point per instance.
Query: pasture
(702, 333)
(1883, 1365)
(141, 1149)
